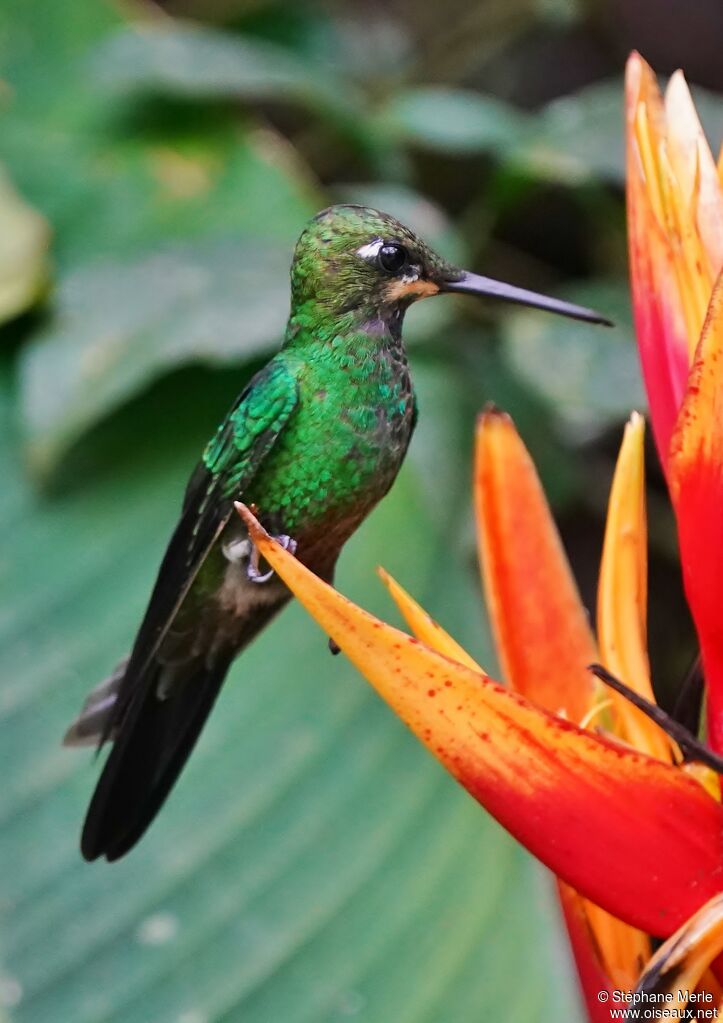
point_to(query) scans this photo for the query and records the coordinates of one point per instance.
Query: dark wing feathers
(153, 737)
(229, 463)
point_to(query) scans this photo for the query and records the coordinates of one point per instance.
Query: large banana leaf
(313, 863)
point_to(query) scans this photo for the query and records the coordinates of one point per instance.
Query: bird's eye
(392, 258)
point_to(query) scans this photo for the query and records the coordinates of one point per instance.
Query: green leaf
(116, 176)
(454, 120)
(119, 325)
(589, 375)
(313, 863)
(582, 136)
(43, 46)
(24, 241)
(109, 194)
(193, 61)
(579, 136)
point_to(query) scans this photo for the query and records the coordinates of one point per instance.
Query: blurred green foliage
(156, 165)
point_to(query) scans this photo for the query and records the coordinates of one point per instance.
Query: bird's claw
(253, 572)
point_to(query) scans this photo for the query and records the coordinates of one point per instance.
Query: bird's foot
(254, 573)
(334, 648)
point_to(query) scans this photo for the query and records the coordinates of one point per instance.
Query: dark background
(313, 864)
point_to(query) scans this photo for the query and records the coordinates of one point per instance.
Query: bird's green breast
(345, 443)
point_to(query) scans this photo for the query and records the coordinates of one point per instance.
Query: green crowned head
(355, 262)
(352, 258)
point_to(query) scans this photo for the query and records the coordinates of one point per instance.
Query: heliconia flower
(545, 641)
(635, 840)
(538, 619)
(675, 224)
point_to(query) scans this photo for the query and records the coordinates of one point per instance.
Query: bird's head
(354, 259)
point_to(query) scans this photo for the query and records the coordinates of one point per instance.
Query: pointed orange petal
(696, 484)
(681, 963)
(541, 628)
(635, 835)
(623, 594)
(623, 949)
(424, 627)
(660, 314)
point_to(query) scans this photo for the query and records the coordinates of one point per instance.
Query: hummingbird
(312, 444)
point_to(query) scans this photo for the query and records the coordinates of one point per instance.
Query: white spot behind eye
(371, 249)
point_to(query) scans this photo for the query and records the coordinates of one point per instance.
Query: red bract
(675, 224)
(695, 470)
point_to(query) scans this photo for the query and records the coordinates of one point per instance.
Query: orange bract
(541, 629)
(637, 836)
(424, 627)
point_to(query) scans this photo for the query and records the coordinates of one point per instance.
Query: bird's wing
(229, 464)
(153, 735)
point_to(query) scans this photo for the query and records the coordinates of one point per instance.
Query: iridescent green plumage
(314, 442)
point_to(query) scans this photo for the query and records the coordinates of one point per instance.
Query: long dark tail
(151, 746)
(153, 715)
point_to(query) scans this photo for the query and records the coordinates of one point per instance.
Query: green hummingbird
(313, 443)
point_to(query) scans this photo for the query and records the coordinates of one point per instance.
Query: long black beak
(474, 284)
